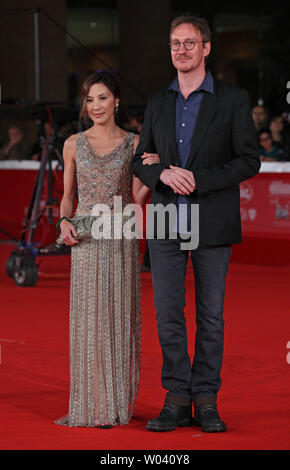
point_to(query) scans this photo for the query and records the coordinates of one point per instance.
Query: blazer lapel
(206, 115)
(168, 120)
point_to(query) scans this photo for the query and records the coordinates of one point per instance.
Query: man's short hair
(201, 24)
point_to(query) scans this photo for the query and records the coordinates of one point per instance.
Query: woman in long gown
(105, 314)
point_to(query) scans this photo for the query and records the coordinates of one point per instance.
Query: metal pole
(36, 55)
(261, 73)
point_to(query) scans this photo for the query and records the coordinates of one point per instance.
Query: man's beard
(190, 68)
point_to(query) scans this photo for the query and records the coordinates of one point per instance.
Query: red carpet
(254, 398)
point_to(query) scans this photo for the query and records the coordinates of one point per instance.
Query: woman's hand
(150, 158)
(68, 232)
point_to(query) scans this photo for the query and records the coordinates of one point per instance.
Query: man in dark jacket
(203, 131)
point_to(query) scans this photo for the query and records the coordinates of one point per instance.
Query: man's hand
(180, 180)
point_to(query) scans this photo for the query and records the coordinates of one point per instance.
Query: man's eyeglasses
(188, 44)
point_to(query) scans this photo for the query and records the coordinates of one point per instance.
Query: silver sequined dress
(105, 314)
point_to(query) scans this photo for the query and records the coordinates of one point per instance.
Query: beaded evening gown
(105, 314)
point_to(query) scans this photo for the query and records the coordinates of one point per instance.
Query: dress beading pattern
(105, 303)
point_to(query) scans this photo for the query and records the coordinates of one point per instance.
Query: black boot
(206, 416)
(171, 416)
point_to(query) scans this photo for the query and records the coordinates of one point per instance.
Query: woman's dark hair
(264, 131)
(104, 77)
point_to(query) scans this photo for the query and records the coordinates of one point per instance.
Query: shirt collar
(206, 85)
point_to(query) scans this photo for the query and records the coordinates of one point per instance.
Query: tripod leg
(49, 196)
(29, 212)
(38, 193)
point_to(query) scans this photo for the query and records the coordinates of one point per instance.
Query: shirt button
(183, 124)
(180, 140)
(185, 108)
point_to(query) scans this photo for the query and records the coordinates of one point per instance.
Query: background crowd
(273, 135)
(17, 145)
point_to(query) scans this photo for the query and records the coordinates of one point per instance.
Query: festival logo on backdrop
(246, 192)
(279, 195)
(279, 188)
(247, 195)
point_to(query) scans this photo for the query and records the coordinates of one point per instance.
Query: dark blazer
(224, 152)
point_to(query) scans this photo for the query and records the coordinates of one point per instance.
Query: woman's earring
(116, 108)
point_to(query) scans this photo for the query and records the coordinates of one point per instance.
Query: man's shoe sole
(219, 428)
(182, 424)
(158, 429)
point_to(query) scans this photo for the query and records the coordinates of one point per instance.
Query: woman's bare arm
(140, 191)
(69, 189)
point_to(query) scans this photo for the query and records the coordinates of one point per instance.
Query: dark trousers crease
(180, 375)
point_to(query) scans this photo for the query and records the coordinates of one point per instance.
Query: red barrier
(265, 204)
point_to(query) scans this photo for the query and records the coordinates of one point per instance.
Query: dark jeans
(210, 266)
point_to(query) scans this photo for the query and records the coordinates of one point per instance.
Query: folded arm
(148, 174)
(140, 191)
(158, 176)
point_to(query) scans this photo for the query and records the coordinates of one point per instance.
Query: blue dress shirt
(186, 115)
